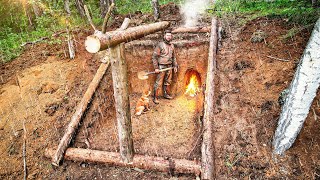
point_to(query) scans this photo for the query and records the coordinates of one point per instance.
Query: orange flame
(193, 86)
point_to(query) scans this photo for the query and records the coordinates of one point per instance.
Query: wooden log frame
(99, 41)
(75, 119)
(207, 148)
(302, 91)
(77, 116)
(139, 161)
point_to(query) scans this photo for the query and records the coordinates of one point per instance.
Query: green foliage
(295, 11)
(125, 6)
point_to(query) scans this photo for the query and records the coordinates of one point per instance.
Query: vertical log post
(156, 10)
(207, 149)
(122, 105)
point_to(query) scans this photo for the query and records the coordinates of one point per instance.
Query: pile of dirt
(251, 77)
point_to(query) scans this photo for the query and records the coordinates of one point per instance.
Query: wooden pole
(106, 18)
(99, 41)
(76, 117)
(139, 161)
(207, 148)
(122, 105)
(89, 17)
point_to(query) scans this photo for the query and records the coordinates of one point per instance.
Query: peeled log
(192, 29)
(139, 161)
(302, 91)
(99, 41)
(207, 149)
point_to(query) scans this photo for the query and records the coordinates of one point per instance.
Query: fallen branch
(89, 17)
(34, 42)
(284, 60)
(139, 161)
(106, 18)
(77, 116)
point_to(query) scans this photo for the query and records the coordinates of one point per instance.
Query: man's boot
(166, 92)
(155, 96)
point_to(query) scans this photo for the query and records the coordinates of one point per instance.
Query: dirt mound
(251, 79)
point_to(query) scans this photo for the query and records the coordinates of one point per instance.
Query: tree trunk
(122, 104)
(104, 5)
(302, 91)
(67, 7)
(139, 161)
(98, 41)
(36, 9)
(156, 10)
(77, 116)
(314, 3)
(80, 7)
(207, 149)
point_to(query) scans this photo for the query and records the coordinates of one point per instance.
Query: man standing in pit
(164, 57)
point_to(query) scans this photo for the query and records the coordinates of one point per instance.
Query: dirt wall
(138, 56)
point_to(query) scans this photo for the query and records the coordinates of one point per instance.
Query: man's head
(167, 36)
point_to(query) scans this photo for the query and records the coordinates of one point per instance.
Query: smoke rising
(191, 11)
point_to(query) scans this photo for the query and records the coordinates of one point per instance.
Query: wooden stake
(139, 161)
(106, 18)
(89, 17)
(207, 149)
(122, 104)
(76, 117)
(24, 151)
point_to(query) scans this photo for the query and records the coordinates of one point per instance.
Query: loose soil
(42, 88)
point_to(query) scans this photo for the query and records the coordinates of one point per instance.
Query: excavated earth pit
(170, 129)
(42, 88)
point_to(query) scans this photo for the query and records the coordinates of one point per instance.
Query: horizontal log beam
(192, 29)
(99, 41)
(139, 161)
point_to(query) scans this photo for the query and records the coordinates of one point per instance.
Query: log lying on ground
(207, 149)
(192, 29)
(302, 91)
(99, 41)
(76, 117)
(139, 161)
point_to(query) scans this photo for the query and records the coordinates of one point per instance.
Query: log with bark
(205, 29)
(99, 41)
(122, 103)
(77, 116)
(139, 161)
(207, 148)
(302, 91)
